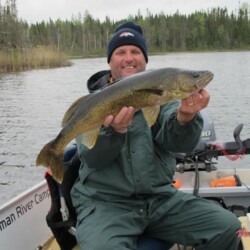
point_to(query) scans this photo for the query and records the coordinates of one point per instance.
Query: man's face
(126, 60)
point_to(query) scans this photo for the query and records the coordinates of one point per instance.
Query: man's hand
(121, 121)
(191, 105)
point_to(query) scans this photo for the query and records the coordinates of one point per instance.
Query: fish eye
(195, 74)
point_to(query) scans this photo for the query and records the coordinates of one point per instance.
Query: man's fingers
(121, 120)
(108, 121)
(124, 116)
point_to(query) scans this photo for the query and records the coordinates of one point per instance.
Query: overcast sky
(42, 10)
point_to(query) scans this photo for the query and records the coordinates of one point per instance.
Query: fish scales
(146, 90)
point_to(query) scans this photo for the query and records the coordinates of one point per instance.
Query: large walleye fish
(146, 91)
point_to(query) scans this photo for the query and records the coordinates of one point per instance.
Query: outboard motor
(208, 132)
(184, 162)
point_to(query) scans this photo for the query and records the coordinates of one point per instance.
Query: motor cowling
(207, 135)
(208, 132)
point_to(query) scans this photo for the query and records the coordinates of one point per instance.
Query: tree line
(85, 36)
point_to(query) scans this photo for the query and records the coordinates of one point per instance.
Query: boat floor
(51, 244)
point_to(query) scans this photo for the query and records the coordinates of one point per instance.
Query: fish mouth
(210, 76)
(206, 77)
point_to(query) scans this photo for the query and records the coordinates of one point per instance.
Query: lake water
(32, 105)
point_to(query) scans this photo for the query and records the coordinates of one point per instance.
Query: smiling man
(125, 185)
(127, 51)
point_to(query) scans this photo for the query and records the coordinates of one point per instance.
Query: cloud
(38, 10)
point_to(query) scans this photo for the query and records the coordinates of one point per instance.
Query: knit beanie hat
(128, 33)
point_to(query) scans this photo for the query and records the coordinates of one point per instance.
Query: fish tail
(50, 158)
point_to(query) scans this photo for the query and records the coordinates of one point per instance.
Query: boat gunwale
(22, 196)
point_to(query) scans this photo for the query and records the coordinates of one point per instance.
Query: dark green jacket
(139, 163)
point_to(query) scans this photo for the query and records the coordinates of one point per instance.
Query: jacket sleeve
(105, 151)
(172, 135)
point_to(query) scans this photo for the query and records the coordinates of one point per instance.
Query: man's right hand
(121, 121)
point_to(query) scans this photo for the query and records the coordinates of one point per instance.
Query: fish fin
(151, 113)
(71, 110)
(48, 157)
(89, 137)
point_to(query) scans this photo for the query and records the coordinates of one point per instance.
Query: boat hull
(23, 224)
(22, 219)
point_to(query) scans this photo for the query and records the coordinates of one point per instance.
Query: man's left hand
(191, 105)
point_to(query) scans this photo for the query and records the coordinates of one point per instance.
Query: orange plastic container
(177, 183)
(230, 181)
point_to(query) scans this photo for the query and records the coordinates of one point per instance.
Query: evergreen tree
(86, 36)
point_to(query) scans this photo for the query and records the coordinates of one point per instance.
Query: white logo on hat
(125, 33)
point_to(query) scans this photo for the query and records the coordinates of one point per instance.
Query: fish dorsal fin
(71, 110)
(89, 137)
(151, 113)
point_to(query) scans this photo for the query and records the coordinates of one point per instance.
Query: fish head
(191, 81)
(183, 83)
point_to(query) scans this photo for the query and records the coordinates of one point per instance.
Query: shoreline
(21, 60)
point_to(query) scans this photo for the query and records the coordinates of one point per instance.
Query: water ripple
(32, 105)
